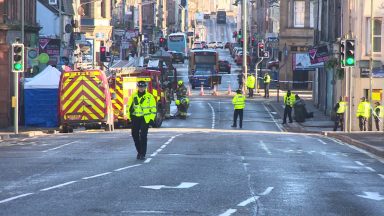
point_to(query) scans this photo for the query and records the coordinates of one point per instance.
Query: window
(311, 15)
(299, 14)
(377, 35)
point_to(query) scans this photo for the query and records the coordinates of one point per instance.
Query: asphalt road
(197, 166)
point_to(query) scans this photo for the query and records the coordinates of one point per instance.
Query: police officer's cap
(238, 91)
(141, 84)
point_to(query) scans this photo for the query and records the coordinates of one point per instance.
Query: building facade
(295, 38)
(10, 29)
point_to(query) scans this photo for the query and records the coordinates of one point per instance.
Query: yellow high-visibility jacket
(363, 109)
(238, 101)
(289, 101)
(142, 106)
(251, 81)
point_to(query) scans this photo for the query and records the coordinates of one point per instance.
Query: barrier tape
(228, 75)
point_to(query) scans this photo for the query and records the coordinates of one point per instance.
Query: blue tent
(41, 99)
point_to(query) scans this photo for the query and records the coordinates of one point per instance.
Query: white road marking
(15, 197)
(154, 154)
(324, 143)
(148, 160)
(273, 119)
(358, 162)
(182, 185)
(267, 191)
(98, 175)
(58, 186)
(127, 167)
(265, 148)
(213, 115)
(163, 146)
(381, 175)
(228, 212)
(370, 169)
(59, 146)
(372, 195)
(247, 201)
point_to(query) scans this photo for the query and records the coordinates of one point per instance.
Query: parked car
(236, 50)
(212, 45)
(239, 58)
(224, 66)
(219, 44)
(200, 77)
(177, 57)
(204, 44)
(197, 45)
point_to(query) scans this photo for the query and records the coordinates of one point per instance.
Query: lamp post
(245, 43)
(371, 63)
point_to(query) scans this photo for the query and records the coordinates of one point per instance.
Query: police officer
(267, 81)
(238, 102)
(363, 113)
(141, 111)
(251, 81)
(379, 114)
(340, 108)
(289, 100)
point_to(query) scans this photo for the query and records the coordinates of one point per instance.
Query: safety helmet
(141, 84)
(180, 82)
(177, 102)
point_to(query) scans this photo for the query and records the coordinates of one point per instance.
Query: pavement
(370, 141)
(321, 124)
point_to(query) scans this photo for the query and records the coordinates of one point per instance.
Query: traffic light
(17, 57)
(253, 41)
(103, 54)
(234, 35)
(161, 42)
(183, 3)
(349, 53)
(261, 50)
(342, 54)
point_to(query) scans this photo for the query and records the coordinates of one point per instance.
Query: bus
(221, 17)
(178, 42)
(203, 66)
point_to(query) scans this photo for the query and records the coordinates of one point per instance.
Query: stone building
(10, 29)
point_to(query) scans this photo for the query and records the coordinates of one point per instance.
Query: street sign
(266, 54)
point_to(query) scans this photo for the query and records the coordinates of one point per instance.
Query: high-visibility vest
(363, 109)
(238, 101)
(289, 101)
(381, 109)
(342, 107)
(251, 80)
(267, 78)
(142, 106)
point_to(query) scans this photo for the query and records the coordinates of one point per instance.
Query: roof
(66, 6)
(49, 78)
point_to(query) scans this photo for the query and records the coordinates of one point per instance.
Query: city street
(197, 166)
(193, 167)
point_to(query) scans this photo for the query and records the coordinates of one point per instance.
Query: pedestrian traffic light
(253, 40)
(161, 42)
(103, 54)
(342, 54)
(261, 50)
(17, 57)
(349, 53)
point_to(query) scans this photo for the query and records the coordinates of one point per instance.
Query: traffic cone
(229, 89)
(189, 93)
(202, 90)
(215, 93)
